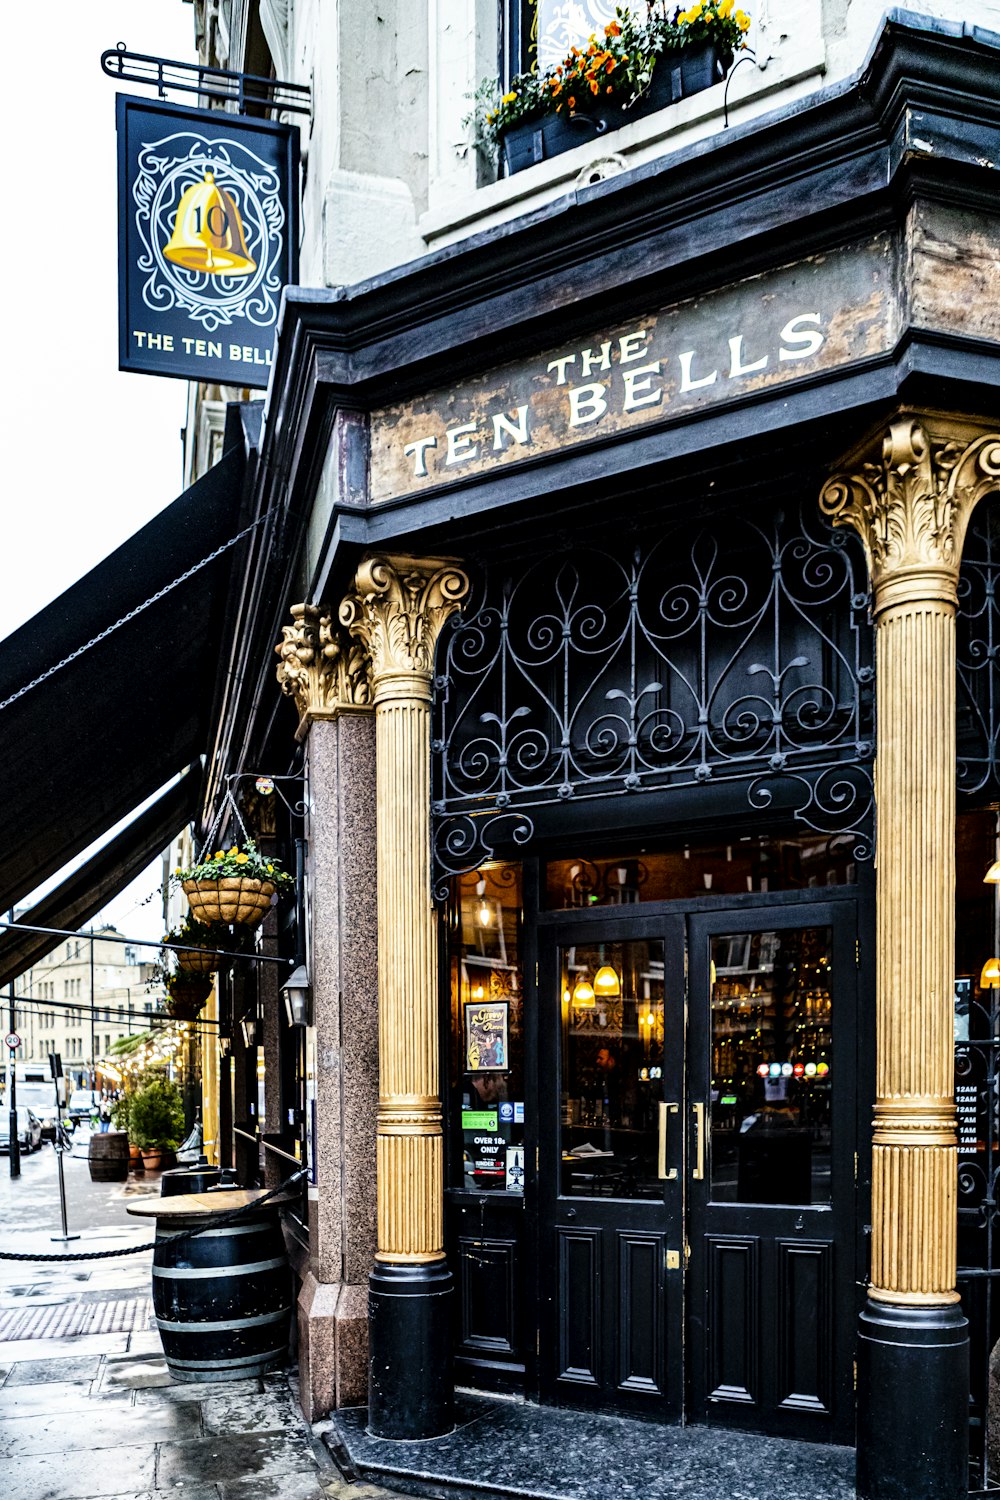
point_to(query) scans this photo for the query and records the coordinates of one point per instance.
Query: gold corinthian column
(397, 609)
(909, 495)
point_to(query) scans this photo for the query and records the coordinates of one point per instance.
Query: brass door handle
(661, 1155)
(699, 1142)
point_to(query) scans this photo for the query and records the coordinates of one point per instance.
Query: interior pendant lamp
(989, 979)
(606, 981)
(583, 995)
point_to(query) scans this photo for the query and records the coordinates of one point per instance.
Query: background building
(54, 1001)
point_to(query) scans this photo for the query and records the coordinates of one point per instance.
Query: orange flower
(612, 29)
(595, 87)
(572, 102)
(610, 67)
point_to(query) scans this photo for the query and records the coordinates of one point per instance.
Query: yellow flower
(242, 859)
(743, 20)
(221, 854)
(509, 98)
(725, 8)
(235, 849)
(270, 869)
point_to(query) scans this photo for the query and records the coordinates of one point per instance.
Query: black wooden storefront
(977, 1019)
(664, 685)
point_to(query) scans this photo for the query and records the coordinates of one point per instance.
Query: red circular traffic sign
(12, 1040)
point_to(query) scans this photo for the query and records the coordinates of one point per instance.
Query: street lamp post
(14, 1143)
(93, 1042)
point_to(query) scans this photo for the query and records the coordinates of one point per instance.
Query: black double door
(696, 1190)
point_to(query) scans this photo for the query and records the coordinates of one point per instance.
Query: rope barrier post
(55, 1067)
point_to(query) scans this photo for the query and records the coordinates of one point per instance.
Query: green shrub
(156, 1116)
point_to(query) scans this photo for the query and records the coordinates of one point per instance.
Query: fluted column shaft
(914, 1138)
(410, 1143)
(397, 610)
(909, 495)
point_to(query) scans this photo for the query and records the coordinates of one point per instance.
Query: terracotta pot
(232, 898)
(205, 962)
(152, 1161)
(134, 1158)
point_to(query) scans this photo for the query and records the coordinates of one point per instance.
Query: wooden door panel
(641, 1313)
(488, 1292)
(804, 1301)
(579, 1308)
(733, 1319)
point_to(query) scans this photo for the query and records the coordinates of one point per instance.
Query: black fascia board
(842, 164)
(919, 118)
(785, 182)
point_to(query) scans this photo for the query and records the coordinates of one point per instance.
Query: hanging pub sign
(207, 240)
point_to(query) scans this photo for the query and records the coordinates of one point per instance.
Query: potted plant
(233, 885)
(156, 1120)
(634, 68)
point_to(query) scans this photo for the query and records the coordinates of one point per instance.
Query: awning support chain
(153, 599)
(228, 800)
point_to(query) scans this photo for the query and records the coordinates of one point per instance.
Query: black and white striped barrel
(222, 1300)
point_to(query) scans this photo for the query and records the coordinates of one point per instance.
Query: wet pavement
(95, 1415)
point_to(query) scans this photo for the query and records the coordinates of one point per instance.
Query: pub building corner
(635, 571)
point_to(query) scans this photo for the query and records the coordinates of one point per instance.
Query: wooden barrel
(223, 1301)
(108, 1156)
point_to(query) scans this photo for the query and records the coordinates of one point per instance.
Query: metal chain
(153, 599)
(214, 1223)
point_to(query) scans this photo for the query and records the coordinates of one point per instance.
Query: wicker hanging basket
(186, 995)
(231, 898)
(205, 962)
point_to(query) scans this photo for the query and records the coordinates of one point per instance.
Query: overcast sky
(89, 454)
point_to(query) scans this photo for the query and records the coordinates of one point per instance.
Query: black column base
(411, 1389)
(913, 1402)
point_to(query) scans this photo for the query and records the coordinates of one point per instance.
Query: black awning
(83, 894)
(92, 742)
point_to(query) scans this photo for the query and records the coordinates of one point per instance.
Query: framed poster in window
(486, 1048)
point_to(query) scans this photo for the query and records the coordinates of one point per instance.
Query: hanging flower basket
(198, 944)
(186, 995)
(234, 885)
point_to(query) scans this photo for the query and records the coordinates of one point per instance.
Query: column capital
(321, 669)
(397, 608)
(908, 491)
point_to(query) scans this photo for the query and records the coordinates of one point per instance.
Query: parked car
(82, 1103)
(29, 1130)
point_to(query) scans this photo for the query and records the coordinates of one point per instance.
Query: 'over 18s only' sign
(208, 237)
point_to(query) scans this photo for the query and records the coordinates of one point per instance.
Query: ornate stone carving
(324, 673)
(398, 608)
(910, 496)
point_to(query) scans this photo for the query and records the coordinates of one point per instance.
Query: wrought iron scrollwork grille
(978, 655)
(735, 650)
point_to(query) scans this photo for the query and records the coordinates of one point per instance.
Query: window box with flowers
(634, 69)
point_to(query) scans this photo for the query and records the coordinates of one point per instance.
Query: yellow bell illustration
(208, 232)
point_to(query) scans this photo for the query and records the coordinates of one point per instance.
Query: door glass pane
(772, 1084)
(611, 997)
(758, 862)
(486, 1064)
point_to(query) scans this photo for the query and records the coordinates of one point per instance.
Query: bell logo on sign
(208, 209)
